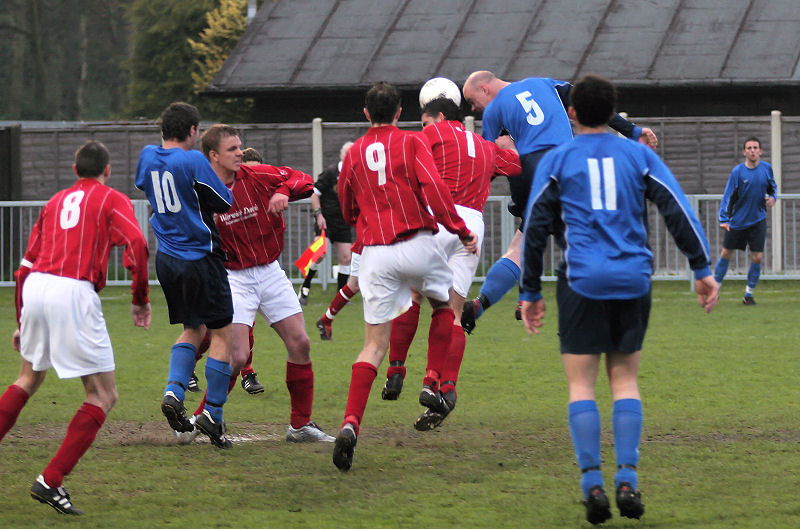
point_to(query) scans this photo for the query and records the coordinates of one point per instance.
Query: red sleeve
(295, 184)
(124, 231)
(435, 192)
(506, 162)
(347, 199)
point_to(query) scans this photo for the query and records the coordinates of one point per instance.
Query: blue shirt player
(749, 192)
(185, 193)
(534, 112)
(590, 195)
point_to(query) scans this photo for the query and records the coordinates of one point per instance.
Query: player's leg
(194, 384)
(501, 278)
(404, 328)
(343, 257)
(757, 237)
(364, 371)
(250, 381)
(17, 394)
(721, 268)
(340, 300)
(627, 416)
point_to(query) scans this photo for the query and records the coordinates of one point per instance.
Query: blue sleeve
(663, 190)
(213, 194)
(772, 187)
(543, 217)
(563, 89)
(729, 197)
(625, 127)
(490, 124)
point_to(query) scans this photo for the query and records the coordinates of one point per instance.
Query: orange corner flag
(314, 251)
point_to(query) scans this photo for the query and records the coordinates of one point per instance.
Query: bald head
(481, 88)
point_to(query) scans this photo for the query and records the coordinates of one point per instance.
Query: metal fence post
(776, 140)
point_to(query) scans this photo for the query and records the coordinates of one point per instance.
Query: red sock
(341, 299)
(361, 380)
(81, 432)
(248, 367)
(300, 381)
(404, 327)
(453, 363)
(201, 407)
(439, 337)
(11, 403)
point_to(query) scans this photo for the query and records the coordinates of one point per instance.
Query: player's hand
(648, 137)
(505, 142)
(141, 315)
(769, 202)
(533, 315)
(707, 292)
(321, 222)
(725, 226)
(470, 242)
(15, 340)
(278, 203)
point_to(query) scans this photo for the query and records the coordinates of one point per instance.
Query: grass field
(721, 442)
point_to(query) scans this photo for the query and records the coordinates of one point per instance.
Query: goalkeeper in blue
(749, 192)
(590, 195)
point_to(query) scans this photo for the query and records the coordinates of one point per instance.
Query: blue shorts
(593, 326)
(520, 186)
(754, 236)
(197, 292)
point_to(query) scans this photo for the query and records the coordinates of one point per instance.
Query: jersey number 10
(165, 193)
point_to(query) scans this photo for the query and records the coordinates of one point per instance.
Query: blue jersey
(743, 203)
(590, 194)
(184, 192)
(533, 113)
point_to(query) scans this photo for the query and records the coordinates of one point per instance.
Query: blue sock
(753, 274)
(584, 427)
(501, 278)
(181, 365)
(721, 269)
(218, 374)
(627, 420)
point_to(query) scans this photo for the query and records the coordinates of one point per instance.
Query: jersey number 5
(376, 160)
(607, 178)
(165, 192)
(533, 111)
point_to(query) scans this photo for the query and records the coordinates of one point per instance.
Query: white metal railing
(17, 219)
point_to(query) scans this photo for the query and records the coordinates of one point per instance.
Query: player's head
(480, 89)
(751, 148)
(382, 103)
(177, 121)
(91, 160)
(594, 99)
(440, 109)
(223, 147)
(345, 147)
(251, 156)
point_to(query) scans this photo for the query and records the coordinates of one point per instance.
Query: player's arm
(435, 193)
(772, 188)
(295, 184)
(663, 190)
(506, 161)
(347, 199)
(729, 198)
(213, 194)
(30, 256)
(543, 209)
(124, 231)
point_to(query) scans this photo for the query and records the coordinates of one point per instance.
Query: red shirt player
(390, 189)
(61, 320)
(467, 163)
(252, 237)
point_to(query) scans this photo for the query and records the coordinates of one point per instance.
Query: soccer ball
(439, 87)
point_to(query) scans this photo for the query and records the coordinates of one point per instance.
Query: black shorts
(338, 230)
(592, 326)
(197, 292)
(754, 236)
(520, 186)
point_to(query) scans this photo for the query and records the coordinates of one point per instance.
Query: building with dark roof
(305, 58)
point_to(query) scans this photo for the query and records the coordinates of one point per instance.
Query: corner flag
(314, 251)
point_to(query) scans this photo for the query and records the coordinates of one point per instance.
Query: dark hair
(211, 137)
(752, 138)
(446, 106)
(251, 155)
(177, 120)
(91, 159)
(594, 99)
(382, 102)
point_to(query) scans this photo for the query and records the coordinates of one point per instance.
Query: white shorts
(355, 263)
(388, 272)
(264, 289)
(62, 326)
(462, 263)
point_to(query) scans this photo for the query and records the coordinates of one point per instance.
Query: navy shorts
(520, 186)
(197, 292)
(593, 326)
(754, 236)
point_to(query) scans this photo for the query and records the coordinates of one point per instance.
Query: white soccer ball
(439, 87)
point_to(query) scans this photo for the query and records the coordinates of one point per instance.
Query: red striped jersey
(75, 231)
(468, 162)
(387, 183)
(250, 235)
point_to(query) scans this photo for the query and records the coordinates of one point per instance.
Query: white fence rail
(17, 219)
